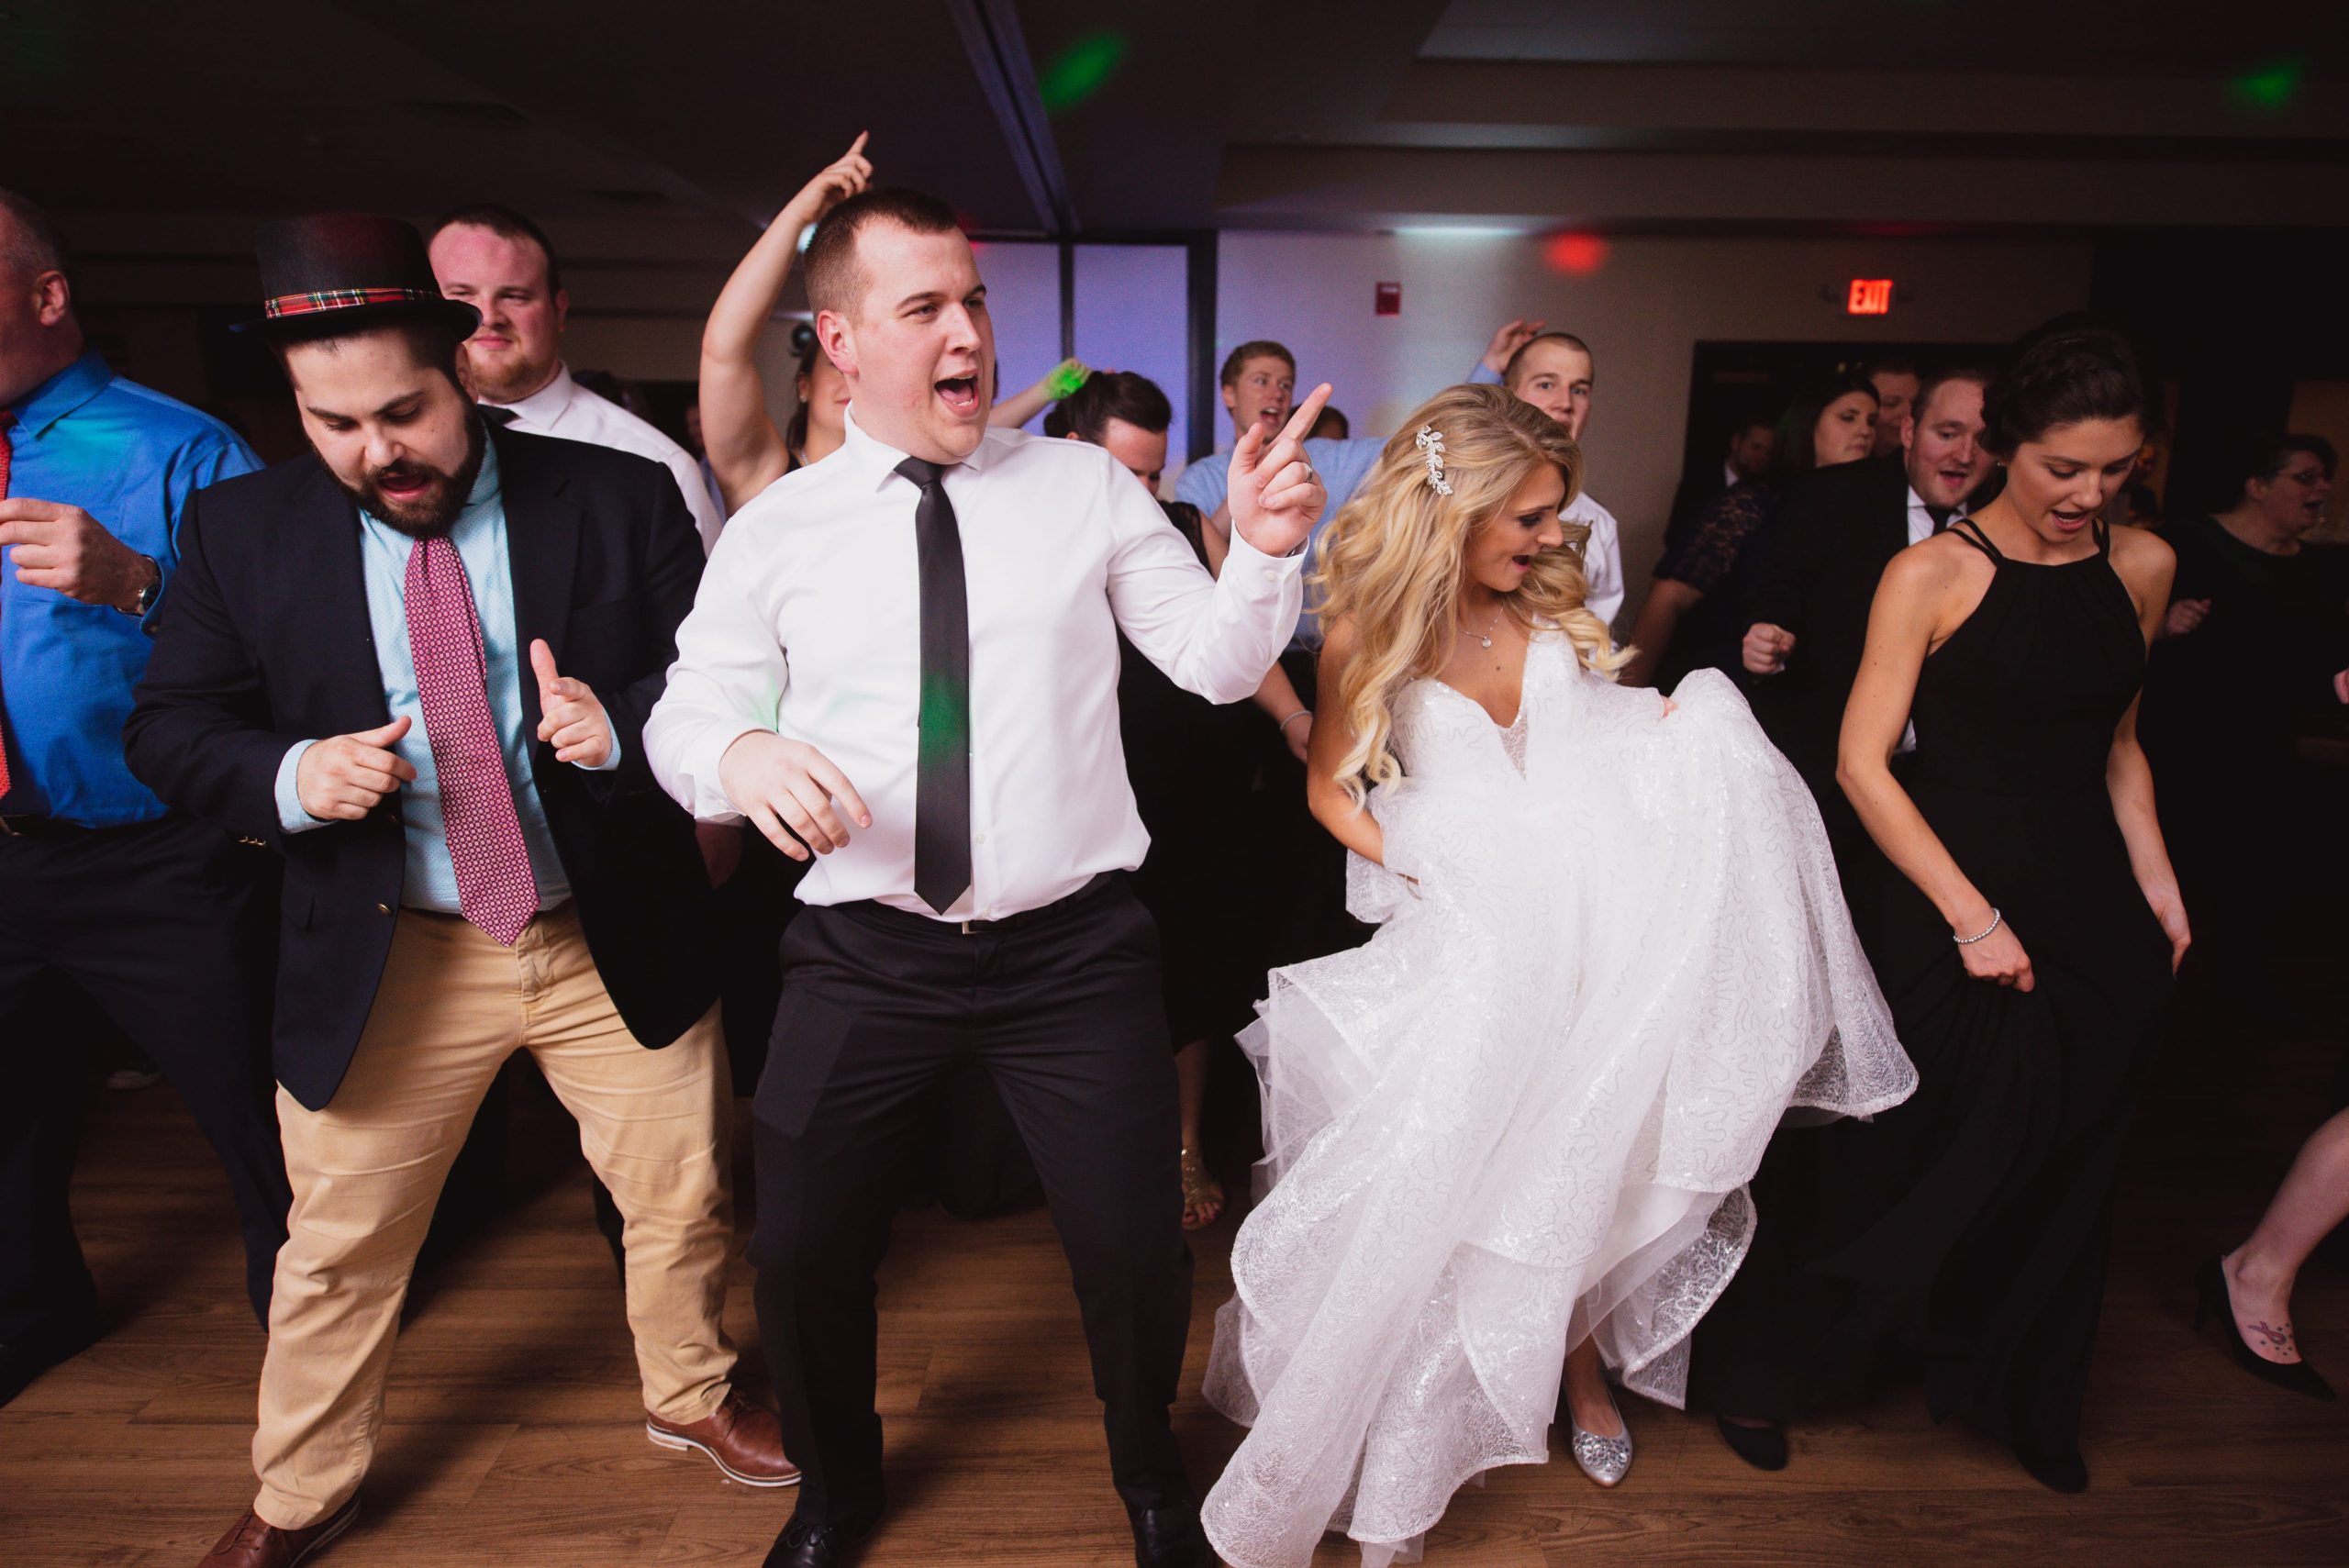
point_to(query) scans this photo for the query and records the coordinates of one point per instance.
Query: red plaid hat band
(344, 299)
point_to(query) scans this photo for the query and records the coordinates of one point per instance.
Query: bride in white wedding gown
(1612, 956)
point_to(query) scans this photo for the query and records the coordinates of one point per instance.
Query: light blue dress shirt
(130, 457)
(480, 536)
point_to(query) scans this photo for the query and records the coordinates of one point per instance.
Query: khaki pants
(367, 1169)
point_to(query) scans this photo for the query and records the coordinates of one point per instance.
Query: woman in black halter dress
(2026, 947)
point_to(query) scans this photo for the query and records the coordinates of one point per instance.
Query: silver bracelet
(1968, 941)
(1300, 713)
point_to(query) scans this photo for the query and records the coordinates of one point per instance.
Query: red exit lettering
(1869, 296)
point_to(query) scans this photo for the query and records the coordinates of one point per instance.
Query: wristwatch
(148, 595)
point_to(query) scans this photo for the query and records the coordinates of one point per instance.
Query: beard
(434, 512)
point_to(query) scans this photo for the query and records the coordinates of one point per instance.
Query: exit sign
(1869, 296)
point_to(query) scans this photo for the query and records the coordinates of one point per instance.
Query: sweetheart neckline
(1480, 707)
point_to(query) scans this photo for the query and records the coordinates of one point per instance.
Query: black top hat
(347, 271)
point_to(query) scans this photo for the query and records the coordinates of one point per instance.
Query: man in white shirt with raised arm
(1556, 372)
(904, 660)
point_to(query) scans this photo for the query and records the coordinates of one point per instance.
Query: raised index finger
(1289, 444)
(1310, 410)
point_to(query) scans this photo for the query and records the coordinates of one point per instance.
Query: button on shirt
(479, 534)
(129, 457)
(562, 407)
(809, 624)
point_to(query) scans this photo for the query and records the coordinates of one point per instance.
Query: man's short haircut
(35, 244)
(1889, 364)
(1750, 420)
(432, 342)
(835, 282)
(506, 224)
(1516, 359)
(1939, 379)
(1257, 348)
(1105, 395)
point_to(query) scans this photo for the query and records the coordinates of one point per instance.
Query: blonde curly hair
(1394, 562)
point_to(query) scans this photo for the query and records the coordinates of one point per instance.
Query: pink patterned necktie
(494, 886)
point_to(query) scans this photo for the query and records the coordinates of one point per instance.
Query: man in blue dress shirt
(101, 886)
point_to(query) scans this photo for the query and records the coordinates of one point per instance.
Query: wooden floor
(513, 1433)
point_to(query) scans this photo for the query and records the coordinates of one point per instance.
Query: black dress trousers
(1061, 1007)
(155, 921)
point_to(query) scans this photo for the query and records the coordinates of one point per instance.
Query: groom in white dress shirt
(904, 661)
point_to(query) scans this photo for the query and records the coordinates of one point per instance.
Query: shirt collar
(61, 393)
(544, 406)
(1917, 504)
(879, 460)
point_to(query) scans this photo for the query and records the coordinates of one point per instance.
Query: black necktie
(943, 774)
(1941, 516)
(501, 417)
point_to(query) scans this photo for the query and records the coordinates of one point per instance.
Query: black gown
(1961, 1237)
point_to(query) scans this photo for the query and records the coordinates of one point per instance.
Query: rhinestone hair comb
(1430, 441)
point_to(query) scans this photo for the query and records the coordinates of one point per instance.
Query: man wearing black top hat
(417, 663)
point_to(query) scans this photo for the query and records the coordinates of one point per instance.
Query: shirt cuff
(607, 765)
(1274, 568)
(1484, 375)
(709, 802)
(292, 817)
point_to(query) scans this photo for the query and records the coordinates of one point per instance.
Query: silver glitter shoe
(1605, 1460)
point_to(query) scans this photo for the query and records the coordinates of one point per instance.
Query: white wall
(1642, 310)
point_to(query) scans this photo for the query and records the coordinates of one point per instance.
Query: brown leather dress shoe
(743, 1440)
(255, 1543)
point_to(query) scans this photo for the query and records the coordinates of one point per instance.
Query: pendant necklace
(1485, 639)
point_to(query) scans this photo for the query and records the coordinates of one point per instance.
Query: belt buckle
(966, 928)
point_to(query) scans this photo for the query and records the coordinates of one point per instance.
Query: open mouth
(396, 485)
(1522, 563)
(2071, 521)
(961, 395)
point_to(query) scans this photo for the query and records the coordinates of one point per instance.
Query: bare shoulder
(2142, 557)
(1932, 567)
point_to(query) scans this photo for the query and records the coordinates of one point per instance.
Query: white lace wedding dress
(1531, 1104)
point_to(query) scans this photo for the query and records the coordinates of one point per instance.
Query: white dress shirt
(808, 624)
(1920, 521)
(562, 407)
(1602, 557)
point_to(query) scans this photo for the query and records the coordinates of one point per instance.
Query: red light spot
(1578, 255)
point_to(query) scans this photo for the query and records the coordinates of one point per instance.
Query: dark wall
(2235, 319)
